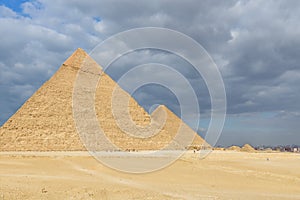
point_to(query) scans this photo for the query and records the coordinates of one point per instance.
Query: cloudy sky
(255, 44)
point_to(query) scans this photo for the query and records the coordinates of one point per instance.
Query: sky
(255, 45)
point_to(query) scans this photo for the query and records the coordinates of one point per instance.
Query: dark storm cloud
(262, 51)
(127, 62)
(255, 44)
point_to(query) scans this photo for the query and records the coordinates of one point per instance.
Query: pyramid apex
(165, 108)
(162, 106)
(80, 50)
(158, 108)
(76, 58)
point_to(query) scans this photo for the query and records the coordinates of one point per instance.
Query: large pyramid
(46, 123)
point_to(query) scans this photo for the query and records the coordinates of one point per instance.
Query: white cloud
(6, 12)
(255, 43)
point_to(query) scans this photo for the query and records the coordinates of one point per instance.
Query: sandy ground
(221, 175)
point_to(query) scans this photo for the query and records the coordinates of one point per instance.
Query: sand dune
(221, 175)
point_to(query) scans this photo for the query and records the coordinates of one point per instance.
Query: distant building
(288, 149)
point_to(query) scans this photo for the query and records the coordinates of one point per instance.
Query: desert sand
(221, 175)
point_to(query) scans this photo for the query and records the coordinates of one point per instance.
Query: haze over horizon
(255, 45)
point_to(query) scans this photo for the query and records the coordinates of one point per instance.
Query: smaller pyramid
(234, 148)
(248, 148)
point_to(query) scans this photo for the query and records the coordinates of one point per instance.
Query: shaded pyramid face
(46, 123)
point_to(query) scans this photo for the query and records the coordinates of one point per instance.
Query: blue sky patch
(97, 19)
(15, 5)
